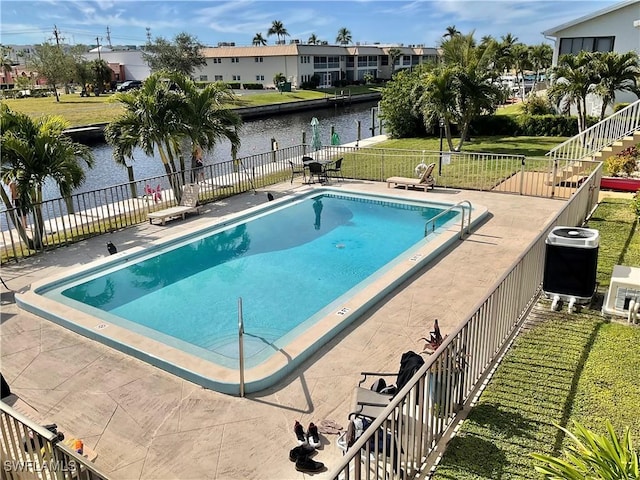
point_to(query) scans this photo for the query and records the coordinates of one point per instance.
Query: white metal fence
(62, 221)
(398, 441)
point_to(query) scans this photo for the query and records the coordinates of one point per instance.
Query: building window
(204, 78)
(588, 44)
(319, 62)
(406, 60)
(350, 61)
(259, 59)
(235, 60)
(236, 78)
(384, 60)
(217, 78)
(260, 78)
(305, 59)
(217, 60)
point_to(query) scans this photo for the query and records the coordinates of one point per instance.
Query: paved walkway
(145, 423)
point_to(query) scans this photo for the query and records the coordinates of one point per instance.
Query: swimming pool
(303, 267)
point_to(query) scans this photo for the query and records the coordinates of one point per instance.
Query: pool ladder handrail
(459, 205)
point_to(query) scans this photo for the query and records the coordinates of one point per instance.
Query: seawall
(95, 133)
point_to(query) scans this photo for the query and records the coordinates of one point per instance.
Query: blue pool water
(288, 264)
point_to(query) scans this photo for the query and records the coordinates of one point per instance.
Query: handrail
(604, 133)
(241, 345)
(457, 205)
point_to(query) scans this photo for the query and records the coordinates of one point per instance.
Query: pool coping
(277, 366)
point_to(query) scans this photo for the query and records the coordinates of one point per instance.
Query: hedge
(527, 125)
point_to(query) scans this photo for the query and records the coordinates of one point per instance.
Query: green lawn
(528, 146)
(75, 109)
(572, 367)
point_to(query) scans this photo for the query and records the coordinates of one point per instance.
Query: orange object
(78, 445)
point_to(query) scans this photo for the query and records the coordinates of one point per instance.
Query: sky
(125, 22)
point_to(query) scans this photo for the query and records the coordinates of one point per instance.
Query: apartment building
(300, 62)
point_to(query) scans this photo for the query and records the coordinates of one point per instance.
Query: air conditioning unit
(571, 261)
(623, 297)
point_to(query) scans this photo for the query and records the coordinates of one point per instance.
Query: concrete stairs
(574, 173)
(617, 147)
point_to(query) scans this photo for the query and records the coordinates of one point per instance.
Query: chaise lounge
(425, 180)
(188, 204)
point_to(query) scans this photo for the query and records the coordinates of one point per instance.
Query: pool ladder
(430, 226)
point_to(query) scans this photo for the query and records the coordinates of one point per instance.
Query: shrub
(593, 456)
(635, 205)
(619, 106)
(625, 162)
(537, 105)
(234, 86)
(253, 86)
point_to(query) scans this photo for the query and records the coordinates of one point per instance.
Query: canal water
(255, 136)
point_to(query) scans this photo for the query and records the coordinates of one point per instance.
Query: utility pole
(56, 35)
(148, 35)
(109, 37)
(98, 47)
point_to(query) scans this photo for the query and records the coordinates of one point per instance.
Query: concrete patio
(145, 423)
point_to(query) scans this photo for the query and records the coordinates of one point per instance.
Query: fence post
(522, 174)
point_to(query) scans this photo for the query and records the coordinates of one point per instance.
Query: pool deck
(147, 423)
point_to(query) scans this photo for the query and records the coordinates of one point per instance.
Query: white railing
(29, 450)
(603, 134)
(397, 443)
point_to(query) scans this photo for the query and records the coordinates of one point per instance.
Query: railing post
(553, 177)
(522, 174)
(241, 345)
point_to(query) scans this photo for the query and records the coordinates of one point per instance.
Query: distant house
(125, 64)
(612, 29)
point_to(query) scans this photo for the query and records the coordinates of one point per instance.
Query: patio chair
(188, 204)
(370, 402)
(297, 170)
(425, 180)
(317, 169)
(336, 169)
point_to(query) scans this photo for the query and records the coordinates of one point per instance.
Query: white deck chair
(188, 204)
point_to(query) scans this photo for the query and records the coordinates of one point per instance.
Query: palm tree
(463, 87)
(521, 57)
(541, 58)
(344, 36)
(166, 110)
(504, 55)
(617, 72)
(34, 150)
(277, 29)
(313, 39)
(437, 97)
(451, 32)
(259, 40)
(574, 78)
(207, 120)
(394, 54)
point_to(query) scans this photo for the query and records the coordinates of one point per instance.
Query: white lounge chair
(425, 180)
(188, 204)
